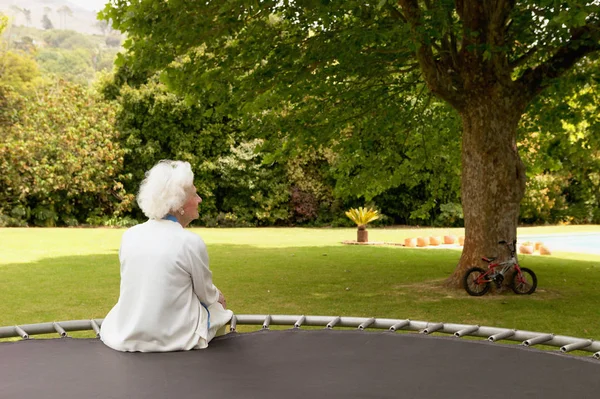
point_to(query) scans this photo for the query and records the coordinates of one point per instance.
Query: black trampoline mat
(296, 364)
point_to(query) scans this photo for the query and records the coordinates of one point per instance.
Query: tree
(19, 71)
(3, 22)
(562, 150)
(47, 23)
(15, 10)
(105, 27)
(27, 13)
(64, 12)
(299, 64)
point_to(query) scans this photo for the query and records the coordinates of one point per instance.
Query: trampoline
(371, 360)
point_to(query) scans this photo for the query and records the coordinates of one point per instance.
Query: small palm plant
(362, 216)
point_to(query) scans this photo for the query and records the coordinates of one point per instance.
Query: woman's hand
(222, 300)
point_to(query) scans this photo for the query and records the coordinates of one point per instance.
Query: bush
(59, 159)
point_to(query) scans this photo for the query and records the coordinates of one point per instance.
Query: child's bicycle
(477, 280)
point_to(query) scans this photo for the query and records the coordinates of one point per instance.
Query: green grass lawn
(62, 274)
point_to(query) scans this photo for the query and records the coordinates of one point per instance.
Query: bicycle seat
(489, 259)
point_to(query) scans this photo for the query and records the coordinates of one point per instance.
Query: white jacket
(167, 299)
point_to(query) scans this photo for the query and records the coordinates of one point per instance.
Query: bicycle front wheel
(524, 283)
(473, 284)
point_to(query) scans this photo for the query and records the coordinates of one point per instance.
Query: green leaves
(559, 139)
(59, 160)
(3, 22)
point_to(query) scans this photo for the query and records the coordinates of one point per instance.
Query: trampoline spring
(540, 339)
(233, 324)
(267, 323)
(366, 323)
(61, 331)
(301, 320)
(576, 345)
(21, 332)
(432, 328)
(400, 325)
(333, 322)
(95, 327)
(502, 335)
(466, 331)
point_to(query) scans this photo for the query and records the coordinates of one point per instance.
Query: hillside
(81, 20)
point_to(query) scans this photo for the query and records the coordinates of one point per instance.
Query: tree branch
(522, 59)
(452, 37)
(498, 16)
(395, 13)
(584, 40)
(493, 34)
(437, 74)
(460, 7)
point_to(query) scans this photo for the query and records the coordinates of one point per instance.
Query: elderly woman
(167, 299)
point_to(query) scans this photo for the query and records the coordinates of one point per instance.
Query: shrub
(59, 160)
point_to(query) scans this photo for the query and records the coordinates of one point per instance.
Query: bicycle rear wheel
(524, 283)
(471, 283)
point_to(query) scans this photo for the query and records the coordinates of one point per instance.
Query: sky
(92, 5)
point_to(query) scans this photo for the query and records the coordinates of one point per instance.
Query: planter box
(410, 242)
(422, 241)
(362, 236)
(435, 241)
(526, 249)
(538, 245)
(449, 239)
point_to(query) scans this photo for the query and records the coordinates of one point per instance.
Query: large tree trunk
(493, 179)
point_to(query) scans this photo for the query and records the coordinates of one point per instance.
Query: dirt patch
(433, 290)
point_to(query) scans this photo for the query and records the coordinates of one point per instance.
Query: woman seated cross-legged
(167, 299)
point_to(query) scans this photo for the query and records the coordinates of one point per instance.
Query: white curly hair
(165, 188)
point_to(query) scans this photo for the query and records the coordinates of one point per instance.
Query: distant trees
(24, 11)
(65, 54)
(112, 38)
(64, 12)
(113, 41)
(73, 56)
(105, 27)
(46, 22)
(27, 14)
